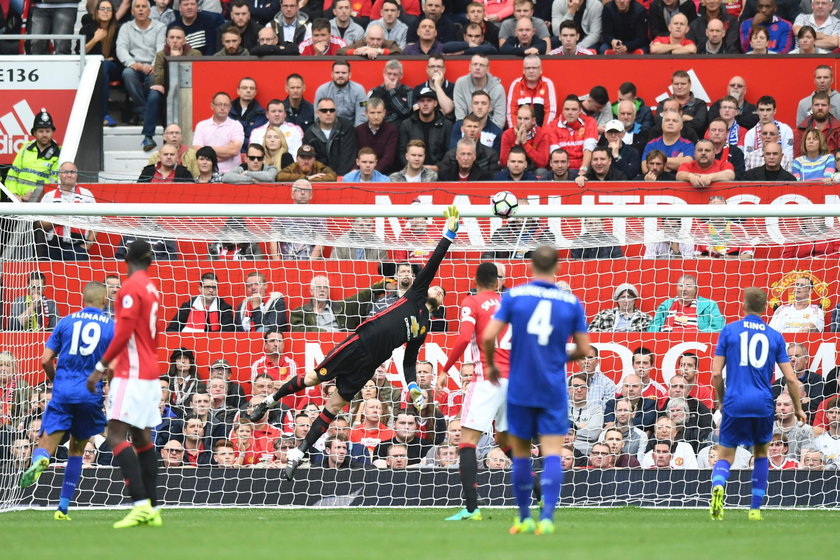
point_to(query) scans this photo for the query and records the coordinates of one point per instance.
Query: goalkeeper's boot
(754, 515)
(61, 516)
(259, 412)
(523, 527)
(465, 515)
(31, 475)
(545, 527)
(716, 505)
(294, 457)
(139, 515)
(155, 520)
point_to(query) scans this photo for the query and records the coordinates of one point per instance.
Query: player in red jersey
(135, 389)
(484, 403)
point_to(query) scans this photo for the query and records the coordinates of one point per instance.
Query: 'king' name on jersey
(752, 349)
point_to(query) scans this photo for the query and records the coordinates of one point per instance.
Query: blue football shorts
(527, 422)
(745, 431)
(82, 420)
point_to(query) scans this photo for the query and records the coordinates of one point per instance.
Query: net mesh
(264, 277)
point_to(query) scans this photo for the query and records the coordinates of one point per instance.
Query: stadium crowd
(636, 423)
(471, 129)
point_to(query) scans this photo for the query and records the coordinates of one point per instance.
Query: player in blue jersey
(79, 341)
(750, 349)
(542, 318)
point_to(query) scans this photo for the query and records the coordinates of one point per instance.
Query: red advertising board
(28, 84)
(787, 79)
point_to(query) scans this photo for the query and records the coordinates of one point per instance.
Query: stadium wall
(314, 487)
(787, 79)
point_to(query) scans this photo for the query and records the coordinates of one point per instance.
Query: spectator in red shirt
(777, 454)
(675, 42)
(166, 170)
(264, 433)
(371, 432)
(530, 137)
(705, 169)
(321, 43)
(643, 364)
(689, 368)
(575, 133)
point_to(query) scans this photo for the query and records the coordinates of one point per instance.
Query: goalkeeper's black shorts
(349, 364)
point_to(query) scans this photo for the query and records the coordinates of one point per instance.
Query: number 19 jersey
(752, 349)
(79, 340)
(542, 317)
(135, 340)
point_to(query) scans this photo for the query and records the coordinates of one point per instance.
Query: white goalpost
(256, 256)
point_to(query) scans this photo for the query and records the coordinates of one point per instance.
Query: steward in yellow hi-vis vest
(37, 164)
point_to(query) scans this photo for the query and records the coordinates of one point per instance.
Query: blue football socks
(522, 479)
(551, 480)
(72, 473)
(720, 473)
(761, 469)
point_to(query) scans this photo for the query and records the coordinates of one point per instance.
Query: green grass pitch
(419, 534)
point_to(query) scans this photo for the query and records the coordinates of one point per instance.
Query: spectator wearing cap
(222, 369)
(332, 137)
(625, 316)
(379, 135)
(533, 89)
(36, 164)
(306, 167)
(625, 157)
(428, 124)
(705, 169)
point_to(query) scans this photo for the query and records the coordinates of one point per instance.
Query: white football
(504, 204)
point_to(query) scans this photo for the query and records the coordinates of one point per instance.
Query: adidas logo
(14, 133)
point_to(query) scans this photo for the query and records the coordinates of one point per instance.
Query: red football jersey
(135, 338)
(476, 312)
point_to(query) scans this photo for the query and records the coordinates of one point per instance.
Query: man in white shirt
(276, 114)
(800, 315)
(65, 243)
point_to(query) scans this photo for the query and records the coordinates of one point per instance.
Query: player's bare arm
(582, 346)
(793, 390)
(489, 345)
(47, 363)
(717, 379)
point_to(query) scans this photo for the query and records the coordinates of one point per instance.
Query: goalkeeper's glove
(417, 396)
(451, 214)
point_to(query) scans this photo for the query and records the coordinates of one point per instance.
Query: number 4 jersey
(135, 340)
(752, 349)
(542, 317)
(79, 340)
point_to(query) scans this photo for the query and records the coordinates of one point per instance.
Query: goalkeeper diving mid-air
(353, 362)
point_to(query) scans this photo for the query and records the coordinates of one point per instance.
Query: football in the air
(504, 204)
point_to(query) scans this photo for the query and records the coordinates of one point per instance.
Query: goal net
(254, 288)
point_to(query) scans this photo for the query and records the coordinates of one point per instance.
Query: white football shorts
(484, 404)
(135, 402)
